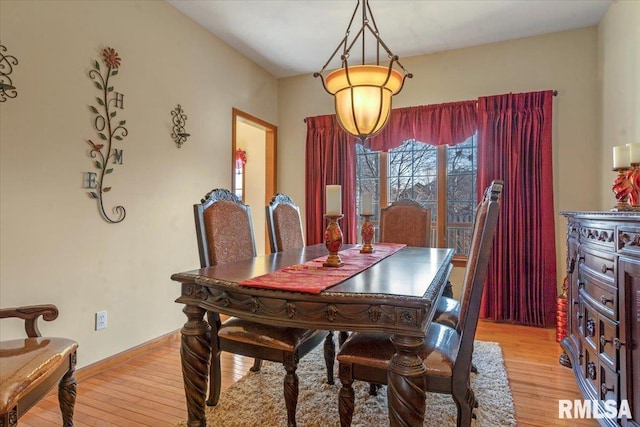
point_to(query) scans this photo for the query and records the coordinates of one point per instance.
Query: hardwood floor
(147, 390)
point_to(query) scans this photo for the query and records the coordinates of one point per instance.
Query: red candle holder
(623, 189)
(333, 241)
(366, 232)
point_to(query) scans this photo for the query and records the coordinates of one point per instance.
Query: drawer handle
(604, 300)
(580, 284)
(604, 268)
(572, 265)
(617, 343)
(605, 389)
(575, 301)
(578, 315)
(591, 370)
(591, 327)
(604, 341)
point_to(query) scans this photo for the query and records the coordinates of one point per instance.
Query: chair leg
(465, 402)
(329, 356)
(291, 388)
(342, 337)
(67, 397)
(346, 397)
(214, 379)
(373, 389)
(257, 365)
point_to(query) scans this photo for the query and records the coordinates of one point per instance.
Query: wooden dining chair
(405, 221)
(284, 224)
(446, 352)
(225, 234)
(285, 232)
(32, 366)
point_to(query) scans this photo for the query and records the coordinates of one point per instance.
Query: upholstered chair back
(284, 224)
(224, 229)
(478, 259)
(406, 221)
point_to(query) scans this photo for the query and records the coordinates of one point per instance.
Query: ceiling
(292, 37)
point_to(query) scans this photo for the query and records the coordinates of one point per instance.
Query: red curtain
(514, 144)
(330, 160)
(450, 123)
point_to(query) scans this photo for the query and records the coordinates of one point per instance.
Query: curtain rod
(555, 93)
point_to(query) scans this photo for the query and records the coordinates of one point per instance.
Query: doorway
(253, 159)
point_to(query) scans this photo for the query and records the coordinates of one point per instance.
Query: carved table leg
(195, 351)
(291, 388)
(329, 356)
(406, 383)
(67, 393)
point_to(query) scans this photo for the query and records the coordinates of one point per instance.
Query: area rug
(257, 400)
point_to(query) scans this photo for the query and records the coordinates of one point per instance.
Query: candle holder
(623, 189)
(333, 241)
(366, 232)
(633, 175)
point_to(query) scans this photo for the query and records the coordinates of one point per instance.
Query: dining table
(395, 294)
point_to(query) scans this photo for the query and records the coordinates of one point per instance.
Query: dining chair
(405, 221)
(446, 352)
(30, 367)
(225, 234)
(284, 224)
(285, 232)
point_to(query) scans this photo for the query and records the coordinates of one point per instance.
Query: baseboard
(105, 364)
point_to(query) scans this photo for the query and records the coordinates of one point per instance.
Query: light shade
(362, 93)
(363, 97)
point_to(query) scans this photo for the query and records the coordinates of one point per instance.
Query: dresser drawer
(598, 264)
(600, 295)
(609, 384)
(590, 373)
(598, 234)
(607, 334)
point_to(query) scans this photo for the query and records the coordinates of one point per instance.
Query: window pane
(413, 173)
(367, 178)
(461, 194)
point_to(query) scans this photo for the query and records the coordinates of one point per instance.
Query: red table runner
(311, 277)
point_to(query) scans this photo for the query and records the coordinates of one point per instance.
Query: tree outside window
(442, 179)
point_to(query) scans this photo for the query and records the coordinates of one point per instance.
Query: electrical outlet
(101, 320)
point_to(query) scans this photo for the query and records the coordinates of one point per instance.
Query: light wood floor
(147, 390)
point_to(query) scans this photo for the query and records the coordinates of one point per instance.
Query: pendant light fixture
(363, 92)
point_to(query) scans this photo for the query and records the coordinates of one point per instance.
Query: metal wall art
(109, 130)
(179, 118)
(7, 89)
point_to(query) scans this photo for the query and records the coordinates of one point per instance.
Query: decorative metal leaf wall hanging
(109, 130)
(7, 89)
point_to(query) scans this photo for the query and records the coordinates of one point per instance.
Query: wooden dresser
(603, 309)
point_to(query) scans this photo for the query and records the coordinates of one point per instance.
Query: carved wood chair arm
(30, 316)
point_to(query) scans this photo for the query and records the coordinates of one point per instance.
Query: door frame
(271, 138)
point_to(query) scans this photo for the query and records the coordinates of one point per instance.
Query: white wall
(252, 139)
(54, 246)
(619, 85)
(565, 61)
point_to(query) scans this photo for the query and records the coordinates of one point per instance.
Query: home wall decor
(179, 118)
(108, 129)
(7, 89)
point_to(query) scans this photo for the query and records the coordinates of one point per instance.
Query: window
(442, 179)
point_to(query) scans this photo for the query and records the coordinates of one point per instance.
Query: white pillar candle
(366, 204)
(621, 157)
(634, 152)
(334, 200)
